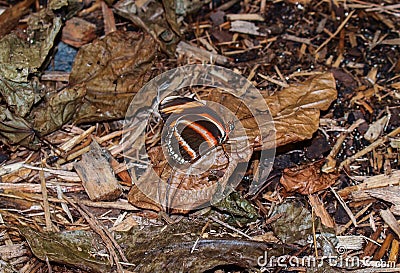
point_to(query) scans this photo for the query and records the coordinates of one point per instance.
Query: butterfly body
(193, 129)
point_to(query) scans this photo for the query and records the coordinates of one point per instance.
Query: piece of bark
(394, 251)
(391, 221)
(10, 17)
(384, 247)
(97, 176)
(246, 28)
(389, 194)
(351, 242)
(8, 252)
(373, 182)
(245, 17)
(78, 32)
(320, 210)
(109, 20)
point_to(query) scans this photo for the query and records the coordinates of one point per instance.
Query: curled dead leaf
(296, 109)
(106, 73)
(307, 179)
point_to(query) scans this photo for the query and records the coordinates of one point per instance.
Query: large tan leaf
(106, 75)
(296, 109)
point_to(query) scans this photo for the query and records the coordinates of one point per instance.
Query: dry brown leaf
(158, 19)
(307, 179)
(106, 73)
(139, 199)
(165, 187)
(296, 109)
(112, 69)
(268, 237)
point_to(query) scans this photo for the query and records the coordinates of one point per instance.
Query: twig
(102, 231)
(336, 32)
(314, 233)
(346, 208)
(296, 39)
(369, 148)
(32, 188)
(50, 270)
(77, 139)
(348, 224)
(71, 175)
(268, 78)
(46, 207)
(230, 227)
(330, 165)
(63, 205)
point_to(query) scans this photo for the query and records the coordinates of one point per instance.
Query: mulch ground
(276, 44)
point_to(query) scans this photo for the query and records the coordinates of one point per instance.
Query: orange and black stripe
(192, 128)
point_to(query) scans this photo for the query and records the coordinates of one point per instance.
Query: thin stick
(369, 148)
(46, 206)
(106, 231)
(102, 231)
(330, 165)
(348, 224)
(77, 139)
(346, 208)
(273, 80)
(314, 233)
(230, 227)
(336, 32)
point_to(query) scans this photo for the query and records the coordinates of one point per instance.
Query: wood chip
(109, 20)
(76, 139)
(394, 251)
(296, 39)
(200, 54)
(245, 17)
(246, 28)
(391, 42)
(78, 32)
(373, 182)
(391, 221)
(384, 247)
(97, 176)
(351, 242)
(46, 207)
(320, 210)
